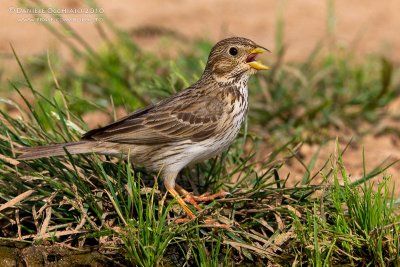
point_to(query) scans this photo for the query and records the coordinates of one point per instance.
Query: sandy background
(370, 26)
(366, 26)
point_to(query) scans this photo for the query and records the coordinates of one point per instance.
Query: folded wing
(186, 117)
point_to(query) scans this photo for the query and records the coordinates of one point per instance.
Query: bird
(193, 125)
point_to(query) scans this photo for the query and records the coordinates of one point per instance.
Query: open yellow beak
(256, 64)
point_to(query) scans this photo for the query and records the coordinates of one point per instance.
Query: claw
(178, 191)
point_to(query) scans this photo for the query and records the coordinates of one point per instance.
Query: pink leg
(190, 198)
(207, 197)
(169, 185)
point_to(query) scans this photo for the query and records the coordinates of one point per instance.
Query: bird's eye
(233, 51)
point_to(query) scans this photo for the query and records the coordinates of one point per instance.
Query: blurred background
(366, 26)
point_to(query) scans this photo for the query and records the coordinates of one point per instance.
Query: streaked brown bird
(193, 125)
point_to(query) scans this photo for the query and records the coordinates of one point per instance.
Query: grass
(90, 200)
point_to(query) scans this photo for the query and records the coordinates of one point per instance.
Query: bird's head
(234, 59)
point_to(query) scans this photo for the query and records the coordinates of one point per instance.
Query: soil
(366, 26)
(18, 254)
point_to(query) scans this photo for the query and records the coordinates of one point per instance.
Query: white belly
(207, 149)
(200, 151)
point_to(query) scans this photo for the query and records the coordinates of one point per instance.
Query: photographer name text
(52, 10)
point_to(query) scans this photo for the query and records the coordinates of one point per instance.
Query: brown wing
(190, 115)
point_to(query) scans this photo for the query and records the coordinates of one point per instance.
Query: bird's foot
(208, 197)
(191, 199)
(178, 191)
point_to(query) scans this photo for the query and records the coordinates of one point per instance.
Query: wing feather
(196, 118)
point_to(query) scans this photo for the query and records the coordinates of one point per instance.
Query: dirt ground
(377, 148)
(366, 26)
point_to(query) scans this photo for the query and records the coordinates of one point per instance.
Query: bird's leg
(176, 191)
(190, 198)
(169, 183)
(182, 203)
(207, 197)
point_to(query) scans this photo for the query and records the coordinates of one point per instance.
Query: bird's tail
(54, 150)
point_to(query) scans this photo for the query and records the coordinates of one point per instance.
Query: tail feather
(54, 150)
